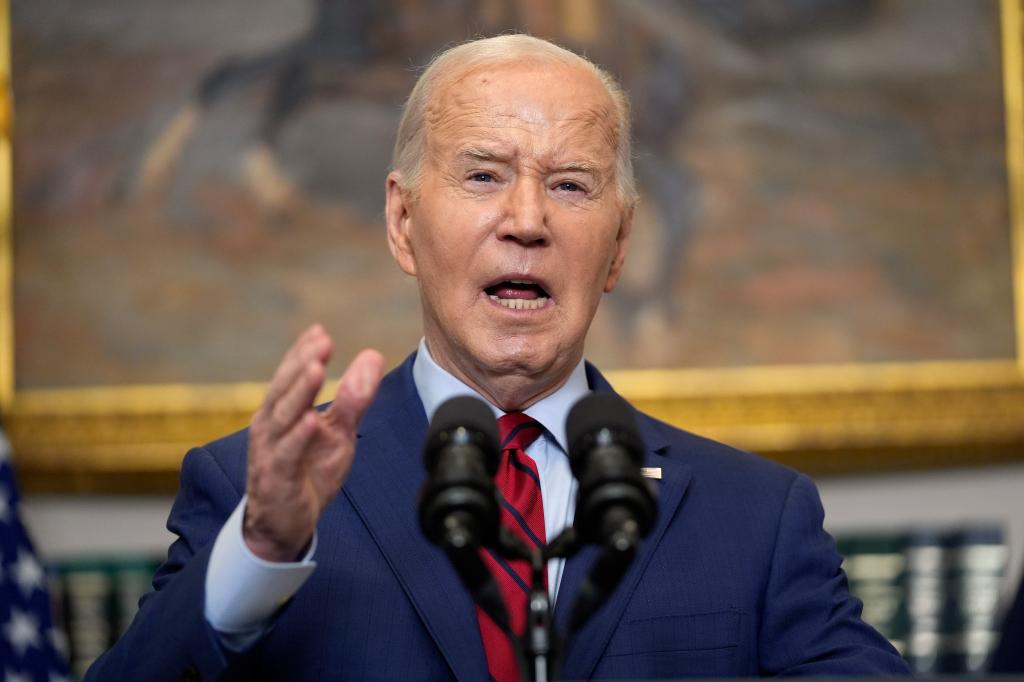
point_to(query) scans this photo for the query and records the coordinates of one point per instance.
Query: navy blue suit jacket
(737, 578)
(1009, 655)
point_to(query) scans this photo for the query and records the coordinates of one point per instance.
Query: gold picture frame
(821, 419)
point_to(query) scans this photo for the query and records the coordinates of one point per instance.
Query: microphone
(459, 509)
(615, 508)
(459, 504)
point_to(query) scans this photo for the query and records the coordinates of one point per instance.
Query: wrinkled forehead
(550, 103)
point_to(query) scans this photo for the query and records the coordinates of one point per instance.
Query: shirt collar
(436, 385)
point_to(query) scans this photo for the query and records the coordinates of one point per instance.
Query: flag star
(14, 676)
(27, 572)
(22, 631)
(59, 641)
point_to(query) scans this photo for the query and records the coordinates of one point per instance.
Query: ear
(621, 242)
(397, 205)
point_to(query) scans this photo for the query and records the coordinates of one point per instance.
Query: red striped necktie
(522, 511)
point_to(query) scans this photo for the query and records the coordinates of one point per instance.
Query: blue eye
(568, 186)
(481, 177)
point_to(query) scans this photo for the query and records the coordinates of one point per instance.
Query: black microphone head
(597, 412)
(468, 418)
(614, 506)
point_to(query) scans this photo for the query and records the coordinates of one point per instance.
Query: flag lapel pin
(651, 472)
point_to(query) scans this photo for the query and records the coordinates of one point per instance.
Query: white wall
(64, 526)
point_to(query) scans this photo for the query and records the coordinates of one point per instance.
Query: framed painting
(827, 264)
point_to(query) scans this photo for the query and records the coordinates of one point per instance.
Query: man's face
(517, 228)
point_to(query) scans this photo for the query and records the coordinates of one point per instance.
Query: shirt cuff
(242, 590)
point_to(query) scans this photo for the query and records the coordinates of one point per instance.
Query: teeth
(522, 304)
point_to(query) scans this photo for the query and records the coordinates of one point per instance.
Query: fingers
(296, 400)
(296, 382)
(313, 345)
(293, 443)
(356, 389)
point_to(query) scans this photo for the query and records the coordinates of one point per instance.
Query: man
(510, 202)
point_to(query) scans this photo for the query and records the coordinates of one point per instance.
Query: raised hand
(298, 457)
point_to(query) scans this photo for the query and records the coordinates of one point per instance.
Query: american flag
(30, 645)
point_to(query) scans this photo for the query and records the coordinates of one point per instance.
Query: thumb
(356, 390)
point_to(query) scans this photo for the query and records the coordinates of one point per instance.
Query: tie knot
(517, 430)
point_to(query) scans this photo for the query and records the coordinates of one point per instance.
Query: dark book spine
(876, 566)
(926, 591)
(975, 566)
(88, 589)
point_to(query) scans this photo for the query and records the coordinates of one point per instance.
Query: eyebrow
(578, 167)
(482, 154)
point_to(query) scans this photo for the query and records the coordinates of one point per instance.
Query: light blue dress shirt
(243, 591)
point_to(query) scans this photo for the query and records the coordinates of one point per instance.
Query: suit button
(190, 674)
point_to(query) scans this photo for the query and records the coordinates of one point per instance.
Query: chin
(522, 357)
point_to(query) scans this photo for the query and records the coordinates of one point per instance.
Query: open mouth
(517, 294)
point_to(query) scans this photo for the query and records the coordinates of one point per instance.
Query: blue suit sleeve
(811, 623)
(170, 638)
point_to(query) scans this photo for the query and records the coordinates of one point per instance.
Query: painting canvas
(823, 181)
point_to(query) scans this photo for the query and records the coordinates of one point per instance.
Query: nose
(525, 215)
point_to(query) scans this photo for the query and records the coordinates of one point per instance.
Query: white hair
(410, 145)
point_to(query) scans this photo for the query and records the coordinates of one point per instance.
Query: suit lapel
(584, 650)
(383, 487)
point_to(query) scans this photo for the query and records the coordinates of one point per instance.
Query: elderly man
(510, 202)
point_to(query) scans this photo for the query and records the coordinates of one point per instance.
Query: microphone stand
(539, 639)
(538, 652)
